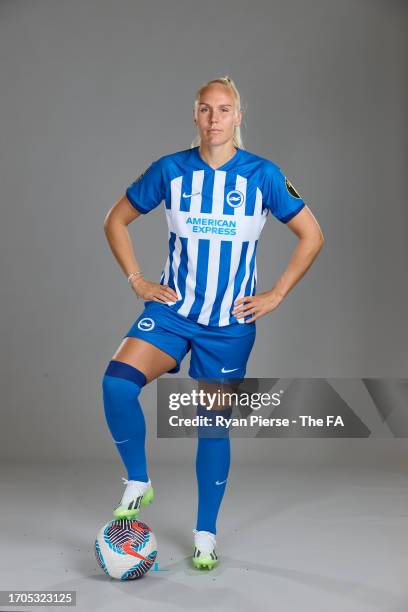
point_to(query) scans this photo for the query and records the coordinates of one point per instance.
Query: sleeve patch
(290, 188)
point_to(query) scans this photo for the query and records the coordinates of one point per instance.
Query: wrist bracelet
(132, 275)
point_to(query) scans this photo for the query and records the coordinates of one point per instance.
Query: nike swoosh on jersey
(217, 482)
(224, 371)
(189, 195)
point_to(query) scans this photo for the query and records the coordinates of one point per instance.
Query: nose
(213, 118)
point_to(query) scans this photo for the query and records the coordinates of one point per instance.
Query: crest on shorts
(146, 324)
(291, 189)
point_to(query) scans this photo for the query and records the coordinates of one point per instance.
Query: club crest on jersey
(146, 324)
(235, 198)
(291, 189)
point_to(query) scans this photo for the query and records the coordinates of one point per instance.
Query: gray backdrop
(91, 92)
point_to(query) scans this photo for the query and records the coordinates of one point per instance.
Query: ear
(238, 118)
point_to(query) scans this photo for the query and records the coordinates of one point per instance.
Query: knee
(120, 399)
(123, 376)
(118, 388)
(121, 383)
(215, 425)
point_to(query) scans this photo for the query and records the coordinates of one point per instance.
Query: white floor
(290, 539)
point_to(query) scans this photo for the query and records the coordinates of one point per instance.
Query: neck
(218, 155)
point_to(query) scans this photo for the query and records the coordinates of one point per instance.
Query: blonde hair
(228, 82)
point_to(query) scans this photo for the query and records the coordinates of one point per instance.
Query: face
(216, 115)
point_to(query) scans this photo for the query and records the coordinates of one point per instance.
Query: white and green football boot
(204, 555)
(137, 494)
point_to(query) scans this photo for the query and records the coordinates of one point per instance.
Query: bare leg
(146, 357)
(226, 401)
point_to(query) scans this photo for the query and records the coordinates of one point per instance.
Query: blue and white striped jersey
(215, 218)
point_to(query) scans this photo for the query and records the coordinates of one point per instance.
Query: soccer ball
(125, 549)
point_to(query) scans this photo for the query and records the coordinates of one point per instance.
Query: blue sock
(212, 467)
(121, 386)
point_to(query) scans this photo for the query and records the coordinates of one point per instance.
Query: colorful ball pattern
(125, 549)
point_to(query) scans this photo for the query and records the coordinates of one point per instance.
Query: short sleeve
(147, 191)
(279, 195)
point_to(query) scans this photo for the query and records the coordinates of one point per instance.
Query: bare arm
(118, 237)
(311, 241)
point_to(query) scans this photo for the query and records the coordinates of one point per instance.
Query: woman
(217, 197)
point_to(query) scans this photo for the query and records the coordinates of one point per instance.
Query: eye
(203, 109)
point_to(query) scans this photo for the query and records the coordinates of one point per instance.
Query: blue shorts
(216, 352)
